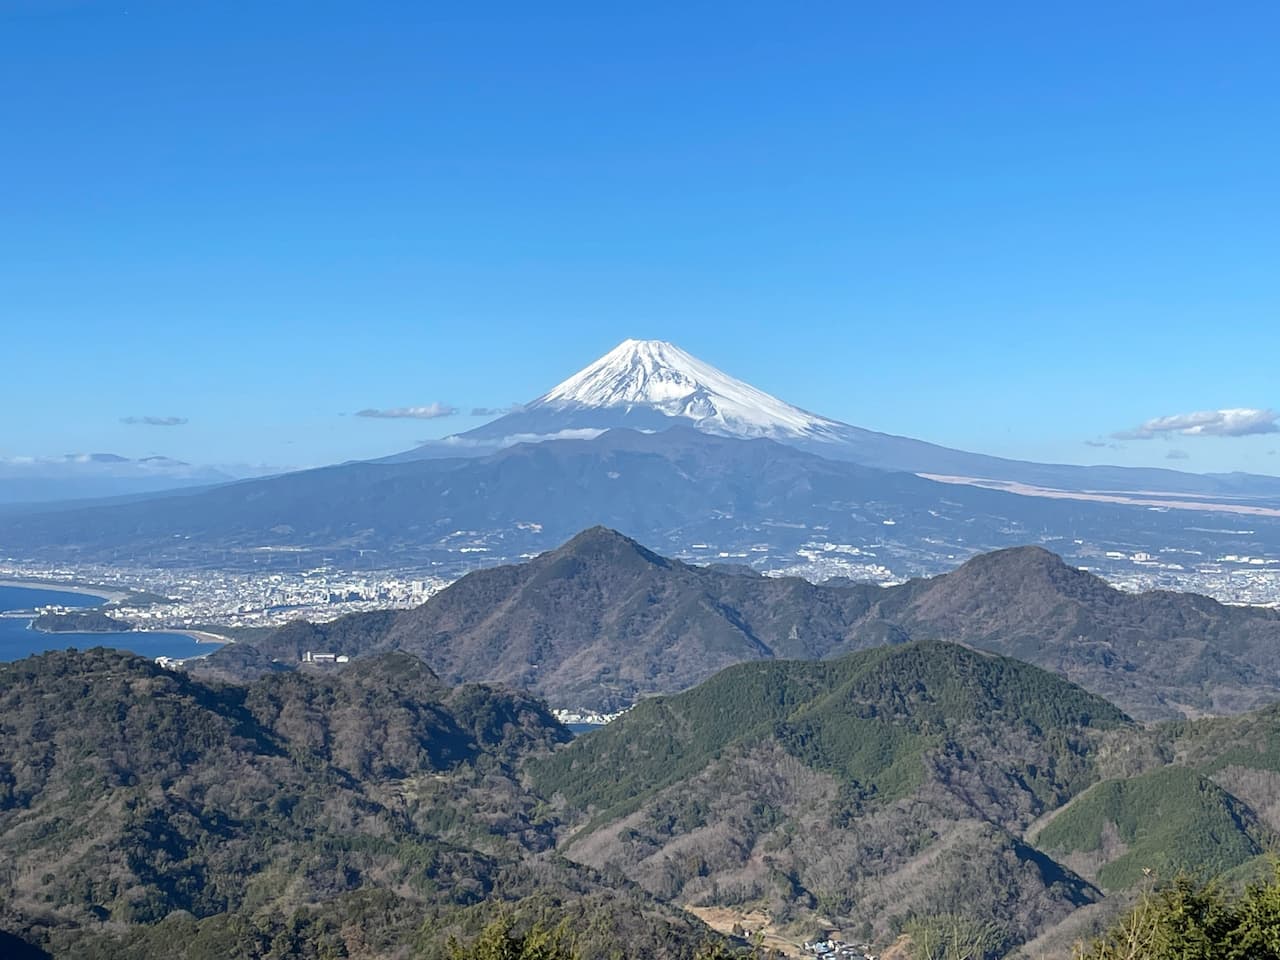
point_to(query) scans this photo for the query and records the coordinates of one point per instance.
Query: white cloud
(496, 411)
(1233, 422)
(578, 433)
(154, 421)
(432, 411)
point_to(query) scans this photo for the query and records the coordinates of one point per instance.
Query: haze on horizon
(334, 231)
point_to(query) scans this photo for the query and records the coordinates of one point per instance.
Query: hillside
(1156, 654)
(1169, 819)
(884, 785)
(597, 622)
(601, 621)
(887, 788)
(376, 810)
(145, 814)
(671, 489)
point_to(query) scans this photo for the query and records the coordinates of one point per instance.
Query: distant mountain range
(97, 475)
(682, 457)
(602, 621)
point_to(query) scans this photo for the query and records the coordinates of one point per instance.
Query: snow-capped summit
(653, 386)
(660, 377)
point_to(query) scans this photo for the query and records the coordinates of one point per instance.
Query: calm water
(18, 640)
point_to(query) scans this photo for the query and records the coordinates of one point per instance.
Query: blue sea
(18, 640)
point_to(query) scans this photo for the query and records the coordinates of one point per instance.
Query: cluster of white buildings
(1230, 578)
(833, 949)
(586, 716)
(193, 598)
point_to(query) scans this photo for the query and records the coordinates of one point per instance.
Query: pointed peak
(599, 536)
(601, 541)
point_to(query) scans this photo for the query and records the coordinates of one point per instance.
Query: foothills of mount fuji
(602, 621)
(653, 385)
(681, 491)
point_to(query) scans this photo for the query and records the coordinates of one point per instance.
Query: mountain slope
(1167, 820)
(1157, 653)
(678, 487)
(147, 815)
(923, 780)
(654, 385)
(596, 622)
(675, 488)
(886, 784)
(601, 621)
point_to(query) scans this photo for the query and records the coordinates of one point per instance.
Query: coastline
(200, 636)
(31, 625)
(105, 594)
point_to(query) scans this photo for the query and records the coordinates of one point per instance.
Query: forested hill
(884, 785)
(602, 621)
(147, 815)
(375, 811)
(923, 786)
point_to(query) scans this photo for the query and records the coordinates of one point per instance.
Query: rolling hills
(883, 785)
(145, 814)
(889, 786)
(601, 621)
(375, 810)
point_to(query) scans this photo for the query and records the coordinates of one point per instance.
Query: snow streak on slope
(661, 376)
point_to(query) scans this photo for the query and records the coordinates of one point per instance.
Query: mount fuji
(653, 385)
(680, 456)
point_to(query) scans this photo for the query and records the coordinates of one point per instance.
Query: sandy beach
(106, 593)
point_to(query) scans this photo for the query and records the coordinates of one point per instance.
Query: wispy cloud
(432, 411)
(495, 411)
(1234, 422)
(154, 421)
(1109, 444)
(1177, 455)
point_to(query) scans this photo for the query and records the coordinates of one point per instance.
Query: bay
(18, 640)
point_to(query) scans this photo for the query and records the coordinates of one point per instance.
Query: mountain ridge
(602, 621)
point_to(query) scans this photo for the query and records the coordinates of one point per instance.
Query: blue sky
(1003, 227)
